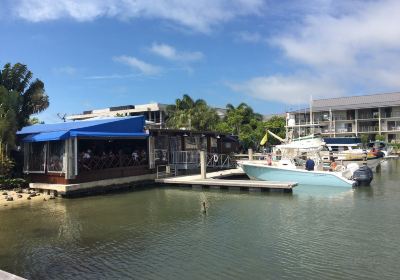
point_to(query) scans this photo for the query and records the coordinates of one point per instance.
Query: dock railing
(191, 160)
(185, 159)
(221, 160)
(167, 170)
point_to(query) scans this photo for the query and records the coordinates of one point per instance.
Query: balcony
(344, 130)
(368, 128)
(365, 116)
(393, 128)
(391, 115)
(342, 118)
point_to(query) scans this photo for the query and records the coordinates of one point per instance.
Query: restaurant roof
(128, 127)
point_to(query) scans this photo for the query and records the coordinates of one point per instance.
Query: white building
(154, 112)
(377, 114)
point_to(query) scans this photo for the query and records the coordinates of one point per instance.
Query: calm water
(162, 234)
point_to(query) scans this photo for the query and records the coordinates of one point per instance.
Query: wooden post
(250, 152)
(151, 156)
(203, 165)
(76, 155)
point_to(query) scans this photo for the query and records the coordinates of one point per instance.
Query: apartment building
(377, 114)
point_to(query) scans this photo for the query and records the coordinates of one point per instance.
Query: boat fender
(215, 158)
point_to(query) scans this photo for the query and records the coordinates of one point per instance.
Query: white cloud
(341, 49)
(296, 89)
(143, 67)
(339, 40)
(66, 70)
(112, 76)
(170, 53)
(250, 37)
(199, 15)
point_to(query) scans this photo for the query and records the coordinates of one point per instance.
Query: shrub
(6, 165)
(12, 183)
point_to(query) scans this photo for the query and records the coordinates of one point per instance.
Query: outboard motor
(363, 175)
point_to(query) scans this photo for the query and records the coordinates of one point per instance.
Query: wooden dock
(217, 180)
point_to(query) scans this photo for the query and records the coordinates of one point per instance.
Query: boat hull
(302, 177)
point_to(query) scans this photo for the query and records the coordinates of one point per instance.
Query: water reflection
(323, 191)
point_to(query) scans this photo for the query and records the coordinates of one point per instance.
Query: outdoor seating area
(105, 154)
(72, 152)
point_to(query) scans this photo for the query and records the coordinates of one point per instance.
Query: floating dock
(8, 276)
(220, 180)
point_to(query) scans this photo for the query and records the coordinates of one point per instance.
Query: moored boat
(289, 172)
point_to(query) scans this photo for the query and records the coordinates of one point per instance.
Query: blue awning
(127, 127)
(46, 136)
(108, 134)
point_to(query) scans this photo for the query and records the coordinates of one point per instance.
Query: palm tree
(32, 98)
(8, 122)
(192, 114)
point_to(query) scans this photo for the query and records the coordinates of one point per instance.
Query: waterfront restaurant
(84, 151)
(112, 151)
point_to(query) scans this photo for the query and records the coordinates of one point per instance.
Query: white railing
(364, 116)
(391, 115)
(220, 161)
(394, 128)
(164, 171)
(191, 160)
(368, 128)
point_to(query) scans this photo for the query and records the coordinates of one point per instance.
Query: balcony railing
(342, 118)
(372, 115)
(391, 115)
(368, 128)
(344, 130)
(393, 128)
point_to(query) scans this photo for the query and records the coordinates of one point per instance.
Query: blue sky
(272, 55)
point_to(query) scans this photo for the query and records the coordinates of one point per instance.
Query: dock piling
(203, 165)
(250, 152)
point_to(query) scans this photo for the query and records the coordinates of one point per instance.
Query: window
(334, 148)
(56, 156)
(214, 145)
(36, 157)
(192, 143)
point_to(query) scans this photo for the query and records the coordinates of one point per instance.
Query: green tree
(275, 124)
(8, 118)
(191, 114)
(32, 98)
(364, 140)
(380, 138)
(245, 123)
(35, 120)
(8, 127)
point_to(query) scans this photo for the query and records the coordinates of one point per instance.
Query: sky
(273, 55)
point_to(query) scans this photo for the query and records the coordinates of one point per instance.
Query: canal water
(162, 233)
